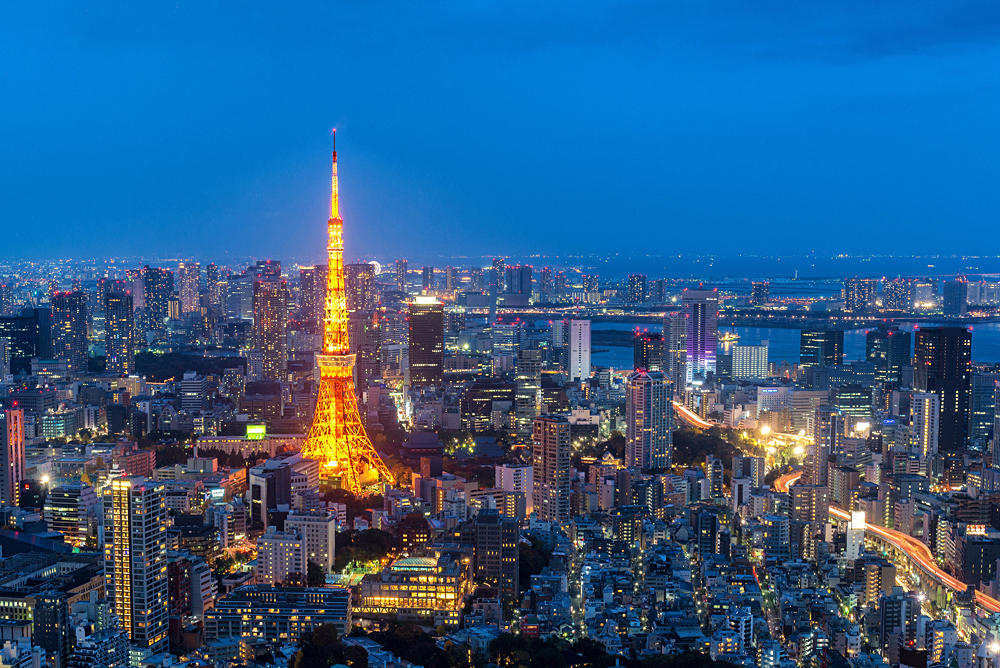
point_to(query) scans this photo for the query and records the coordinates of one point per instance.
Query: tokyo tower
(337, 439)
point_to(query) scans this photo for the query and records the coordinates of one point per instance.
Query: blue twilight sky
(199, 128)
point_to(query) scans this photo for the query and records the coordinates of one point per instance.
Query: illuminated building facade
(702, 310)
(158, 285)
(12, 460)
(401, 275)
(426, 590)
(760, 293)
(135, 559)
(337, 437)
(636, 289)
(550, 459)
(579, 350)
(426, 326)
(189, 276)
(925, 412)
(119, 333)
(860, 294)
(359, 282)
(649, 420)
(69, 329)
(675, 350)
(820, 348)
(647, 352)
(274, 614)
(270, 324)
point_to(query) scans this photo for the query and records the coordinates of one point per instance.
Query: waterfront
(783, 344)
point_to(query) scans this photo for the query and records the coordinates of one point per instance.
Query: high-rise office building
(318, 529)
(450, 278)
(925, 413)
(516, 478)
(579, 350)
(649, 420)
(888, 349)
(828, 433)
(158, 286)
(675, 350)
(135, 559)
(401, 275)
(69, 329)
(810, 503)
(760, 293)
(820, 348)
(427, 279)
(955, 295)
(239, 297)
(528, 389)
(750, 362)
(270, 324)
(28, 335)
(11, 456)
(189, 277)
(702, 310)
(518, 279)
(359, 285)
(551, 458)
(476, 279)
(942, 364)
(426, 341)
(211, 275)
(636, 293)
(648, 352)
(119, 333)
(860, 294)
(496, 551)
(981, 401)
(363, 340)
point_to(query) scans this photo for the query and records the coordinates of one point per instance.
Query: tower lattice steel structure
(337, 438)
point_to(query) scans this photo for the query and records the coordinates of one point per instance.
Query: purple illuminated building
(702, 310)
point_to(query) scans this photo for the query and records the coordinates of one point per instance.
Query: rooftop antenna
(334, 140)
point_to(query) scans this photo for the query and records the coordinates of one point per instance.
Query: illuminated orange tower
(337, 439)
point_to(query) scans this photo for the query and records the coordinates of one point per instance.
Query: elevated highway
(904, 548)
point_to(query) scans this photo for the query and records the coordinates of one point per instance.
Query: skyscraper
(427, 275)
(119, 333)
(307, 296)
(11, 456)
(337, 437)
(498, 274)
(359, 283)
(551, 457)
(579, 350)
(401, 275)
(189, 275)
(889, 349)
(519, 279)
(819, 348)
(750, 362)
(476, 279)
(898, 294)
(860, 294)
(545, 285)
(363, 339)
(942, 364)
(270, 324)
(760, 293)
(925, 413)
(648, 352)
(426, 341)
(636, 289)
(211, 275)
(450, 278)
(981, 402)
(6, 300)
(135, 559)
(528, 388)
(649, 420)
(955, 294)
(28, 335)
(158, 285)
(702, 310)
(675, 350)
(828, 433)
(69, 329)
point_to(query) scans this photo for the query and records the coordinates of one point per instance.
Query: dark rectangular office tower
(942, 364)
(426, 342)
(69, 329)
(760, 293)
(821, 348)
(28, 335)
(648, 352)
(889, 349)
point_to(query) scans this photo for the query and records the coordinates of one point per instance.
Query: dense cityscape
(383, 465)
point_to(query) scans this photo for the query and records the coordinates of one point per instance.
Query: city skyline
(549, 125)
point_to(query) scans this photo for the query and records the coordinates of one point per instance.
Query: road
(691, 418)
(913, 548)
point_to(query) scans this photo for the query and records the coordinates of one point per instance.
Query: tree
(310, 656)
(315, 575)
(325, 635)
(357, 656)
(589, 648)
(549, 657)
(442, 631)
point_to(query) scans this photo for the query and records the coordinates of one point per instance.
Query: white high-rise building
(280, 553)
(855, 535)
(319, 533)
(925, 411)
(135, 559)
(517, 478)
(675, 350)
(750, 362)
(649, 416)
(579, 350)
